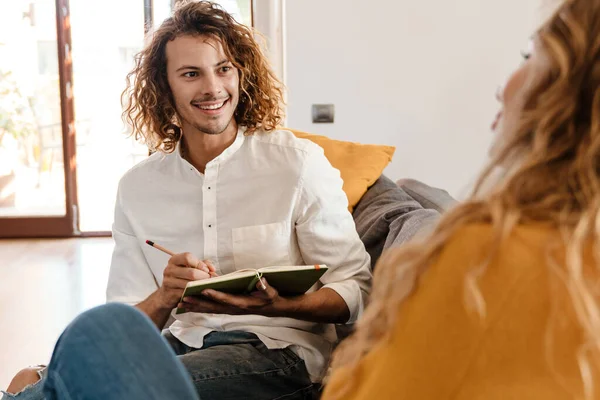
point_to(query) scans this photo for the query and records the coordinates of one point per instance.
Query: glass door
(35, 175)
(105, 40)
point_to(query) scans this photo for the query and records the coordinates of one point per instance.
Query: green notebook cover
(289, 281)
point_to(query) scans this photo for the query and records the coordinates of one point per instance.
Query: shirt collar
(226, 154)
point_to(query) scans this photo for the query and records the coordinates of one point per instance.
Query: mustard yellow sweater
(439, 350)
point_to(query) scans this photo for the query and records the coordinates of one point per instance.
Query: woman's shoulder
(482, 238)
(523, 249)
(485, 231)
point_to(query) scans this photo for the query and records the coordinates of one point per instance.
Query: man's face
(204, 83)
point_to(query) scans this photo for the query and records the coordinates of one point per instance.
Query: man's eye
(525, 55)
(190, 74)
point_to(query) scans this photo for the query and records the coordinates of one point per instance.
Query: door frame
(65, 225)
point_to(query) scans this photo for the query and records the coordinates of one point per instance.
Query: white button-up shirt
(270, 199)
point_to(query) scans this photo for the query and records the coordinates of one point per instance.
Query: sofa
(391, 213)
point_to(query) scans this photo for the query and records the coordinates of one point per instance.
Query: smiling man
(226, 191)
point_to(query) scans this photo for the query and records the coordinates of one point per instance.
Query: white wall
(269, 20)
(419, 75)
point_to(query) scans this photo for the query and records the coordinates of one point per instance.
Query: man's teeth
(211, 107)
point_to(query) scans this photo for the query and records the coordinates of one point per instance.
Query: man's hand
(263, 301)
(181, 269)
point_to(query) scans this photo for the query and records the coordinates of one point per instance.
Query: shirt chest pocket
(261, 245)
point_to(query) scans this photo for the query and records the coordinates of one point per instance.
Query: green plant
(16, 116)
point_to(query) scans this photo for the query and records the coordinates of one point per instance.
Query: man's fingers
(191, 261)
(202, 265)
(241, 302)
(210, 266)
(179, 259)
(188, 274)
(174, 283)
(222, 298)
(202, 305)
(186, 259)
(206, 265)
(259, 294)
(263, 286)
(193, 274)
(207, 306)
(212, 269)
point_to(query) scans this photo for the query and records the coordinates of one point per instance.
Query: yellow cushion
(359, 164)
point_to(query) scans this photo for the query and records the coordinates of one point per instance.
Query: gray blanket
(388, 216)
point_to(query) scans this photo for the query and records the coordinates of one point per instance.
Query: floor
(44, 284)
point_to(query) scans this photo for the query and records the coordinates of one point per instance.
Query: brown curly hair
(148, 101)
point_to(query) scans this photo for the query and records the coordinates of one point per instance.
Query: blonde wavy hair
(549, 159)
(149, 107)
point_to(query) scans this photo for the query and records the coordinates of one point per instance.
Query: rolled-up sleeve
(130, 279)
(327, 235)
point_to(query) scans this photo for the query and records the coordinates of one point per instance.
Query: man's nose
(210, 85)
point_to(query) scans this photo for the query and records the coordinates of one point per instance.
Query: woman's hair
(549, 158)
(148, 100)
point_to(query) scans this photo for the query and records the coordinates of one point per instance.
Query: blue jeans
(115, 352)
(237, 365)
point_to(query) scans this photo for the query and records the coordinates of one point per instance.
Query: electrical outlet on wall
(322, 113)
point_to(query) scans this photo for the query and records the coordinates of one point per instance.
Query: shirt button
(210, 226)
(209, 188)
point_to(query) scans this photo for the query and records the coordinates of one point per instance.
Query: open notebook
(288, 280)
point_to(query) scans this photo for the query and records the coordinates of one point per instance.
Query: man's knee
(110, 312)
(106, 316)
(25, 377)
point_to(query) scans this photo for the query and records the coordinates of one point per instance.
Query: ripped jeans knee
(33, 391)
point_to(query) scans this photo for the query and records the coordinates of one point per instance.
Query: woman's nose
(499, 91)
